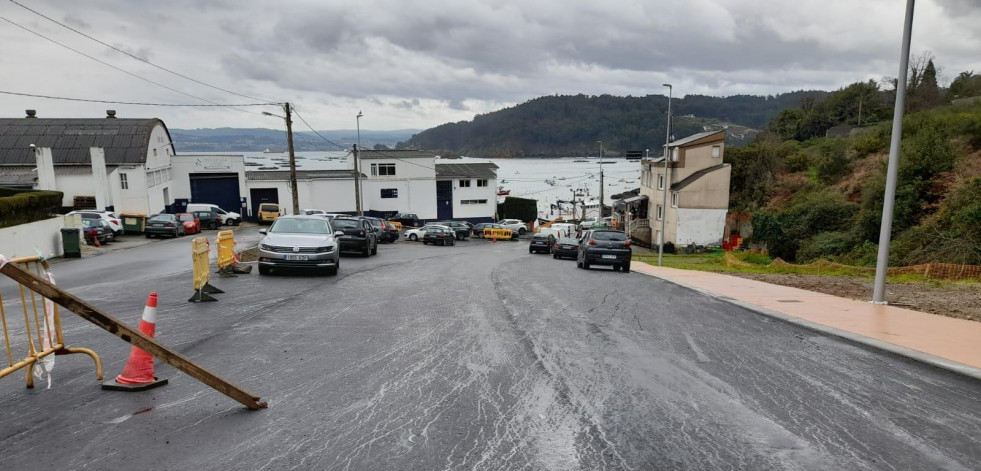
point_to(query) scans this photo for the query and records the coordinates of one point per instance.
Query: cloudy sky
(421, 63)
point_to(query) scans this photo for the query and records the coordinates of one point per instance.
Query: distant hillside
(259, 139)
(571, 125)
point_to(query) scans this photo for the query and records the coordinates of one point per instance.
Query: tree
(926, 95)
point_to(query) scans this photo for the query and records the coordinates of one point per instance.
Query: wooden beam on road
(129, 334)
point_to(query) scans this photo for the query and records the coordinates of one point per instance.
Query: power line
(315, 131)
(117, 68)
(113, 102)
(129, 54)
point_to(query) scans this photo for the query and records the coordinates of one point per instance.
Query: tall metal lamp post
(357, 167)
(888, 205)
(599, 214)
(667, 182)
(289, 142)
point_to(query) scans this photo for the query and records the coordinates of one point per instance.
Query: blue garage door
(216, 188)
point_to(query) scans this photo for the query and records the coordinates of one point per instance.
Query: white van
(227, 218)
(567, 229)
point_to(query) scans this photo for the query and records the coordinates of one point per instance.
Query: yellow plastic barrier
(199, 267)
(398, 225)
(495, 234)
(226, 248)
(41, 318)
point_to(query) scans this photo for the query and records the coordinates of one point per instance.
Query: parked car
(228, 218)
(384, 230)
(357, 235)
(541, 243)
(313, 212)
(587, 223)
(164, 224)
(208, 219)
(461, 229)
(267, 213)
(95, 230)
(565, 247)
(108, 216)
(110, 235)
(406, 219)
(478, 229)
(192, 225)
(604, 247)
(439, 235)
(419, 233)
(515, 225)
(299, 242)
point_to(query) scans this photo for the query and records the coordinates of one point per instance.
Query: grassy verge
(715, 262)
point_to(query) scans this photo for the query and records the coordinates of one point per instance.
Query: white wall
(333, 195)
(700, 226)
(40, 236)
(74, 185)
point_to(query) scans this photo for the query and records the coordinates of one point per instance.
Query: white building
(399, 181)
(124, 164)
(329, 190)
(466, 189)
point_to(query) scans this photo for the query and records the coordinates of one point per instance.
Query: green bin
(133, 223)
(70, 242)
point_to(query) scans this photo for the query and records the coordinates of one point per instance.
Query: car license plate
(296, 257)
(610, 256)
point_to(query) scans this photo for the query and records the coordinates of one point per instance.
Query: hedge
(24, 206)
(523, 209)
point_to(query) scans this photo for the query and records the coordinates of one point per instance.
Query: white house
(466, 189)
(698, 193)
(329, 190)
(120, 163)
(399, 181)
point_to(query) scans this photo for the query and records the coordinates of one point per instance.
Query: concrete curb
(932, 360)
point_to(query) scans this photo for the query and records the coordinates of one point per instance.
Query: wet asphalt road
(478, 356)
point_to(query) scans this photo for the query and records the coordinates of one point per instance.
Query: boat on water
(502, 192)
(270, 151)
(268, 168)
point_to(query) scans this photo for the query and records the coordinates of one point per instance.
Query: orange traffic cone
(138, 375)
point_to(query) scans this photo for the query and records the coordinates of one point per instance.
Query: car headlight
(325, 249)
(265, 247)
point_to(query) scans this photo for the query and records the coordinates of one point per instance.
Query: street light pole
(889, 200)
(664, 203)
(599, 215)
(357, 167)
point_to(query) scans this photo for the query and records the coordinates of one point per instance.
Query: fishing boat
(270, 151)
(502, 192)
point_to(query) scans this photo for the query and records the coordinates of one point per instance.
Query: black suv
(406, 219)
(604, 247)
(461, 229)
(358, 235)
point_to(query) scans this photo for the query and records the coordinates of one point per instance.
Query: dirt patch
(249, 255)
(861, 171)
(960, 300)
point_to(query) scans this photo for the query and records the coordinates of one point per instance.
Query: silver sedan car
(299, 242)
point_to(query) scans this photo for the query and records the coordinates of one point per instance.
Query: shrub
(24, 206)
(825, 245)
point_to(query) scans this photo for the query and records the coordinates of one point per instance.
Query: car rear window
(163, 218)
(342, 224)
(187, 217)
(608, 235)
(269, 208)
(540, 236)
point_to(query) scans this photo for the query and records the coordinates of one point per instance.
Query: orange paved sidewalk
(947, 338)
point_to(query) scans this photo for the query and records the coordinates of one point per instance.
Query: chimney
(110, 114)
(32, 113)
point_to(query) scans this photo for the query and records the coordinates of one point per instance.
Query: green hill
(571, 125)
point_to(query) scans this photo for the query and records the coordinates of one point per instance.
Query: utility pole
(289, 140)
(889, 199)
(667, 182)
(357, 168)
(600, 213)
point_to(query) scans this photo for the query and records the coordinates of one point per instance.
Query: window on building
(716, 151)
(674, 199)
(482, 182)
(154, 152)
(386, 169)
(390, 193)
(473, 201)
(660, 182)
(660, 212)
(464, 183)
(123, 182)
(374, 170)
